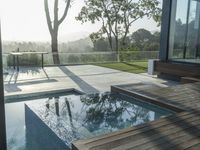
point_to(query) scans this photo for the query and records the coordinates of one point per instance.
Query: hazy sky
(24, 20)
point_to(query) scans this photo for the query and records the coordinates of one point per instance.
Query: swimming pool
(55, 122)
(16, 131)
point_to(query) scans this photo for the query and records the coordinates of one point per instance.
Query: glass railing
(5, 62)
(81, 58)
(138, 56)
(78, 58)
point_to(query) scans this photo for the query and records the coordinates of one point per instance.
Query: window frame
(3, 145)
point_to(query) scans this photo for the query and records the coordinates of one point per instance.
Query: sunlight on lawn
(132, 67)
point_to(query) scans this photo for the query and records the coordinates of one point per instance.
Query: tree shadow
(136, 66)
(14, 81)
(15, 86)
(11, 88)
(84, 86)
(13, 74)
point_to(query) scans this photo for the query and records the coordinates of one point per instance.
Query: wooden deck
(177, 70)
(177, 132)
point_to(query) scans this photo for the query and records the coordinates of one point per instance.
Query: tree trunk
(54, 47)
(54, 26)
(117, 48)
(110, 43)
(123, 42)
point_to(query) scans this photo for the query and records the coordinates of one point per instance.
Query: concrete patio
(86, 78)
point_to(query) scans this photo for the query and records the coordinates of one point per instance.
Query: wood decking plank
(187, 143)
(177, 139)
(163, 133)
(182, 98)
(194, 147)
(181, 131)
(159, 123)
(116, 140)
(183, 115)
(169, 126)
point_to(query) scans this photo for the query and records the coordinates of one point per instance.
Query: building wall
(166, 66)
(180, 31)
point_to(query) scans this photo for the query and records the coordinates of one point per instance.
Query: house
(180, 40)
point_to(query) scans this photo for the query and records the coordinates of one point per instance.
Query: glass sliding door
(184, 40)
(192, 37)
(178, 29)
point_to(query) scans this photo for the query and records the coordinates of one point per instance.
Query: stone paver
(87, 78)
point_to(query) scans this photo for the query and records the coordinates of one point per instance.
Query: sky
(24, 20)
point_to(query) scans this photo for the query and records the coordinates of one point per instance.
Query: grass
(132, 67)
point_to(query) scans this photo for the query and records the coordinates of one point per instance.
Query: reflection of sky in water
(78, 117)
(89, 116)
(15, 126)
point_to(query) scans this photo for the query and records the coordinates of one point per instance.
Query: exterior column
(165, 28)
(3, 145)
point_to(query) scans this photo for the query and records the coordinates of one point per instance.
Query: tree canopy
(144, 40)
(116, 17)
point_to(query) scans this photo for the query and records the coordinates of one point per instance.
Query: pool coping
(145, 98)
(32, 96)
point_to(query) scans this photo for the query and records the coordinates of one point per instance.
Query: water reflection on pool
(78, 117)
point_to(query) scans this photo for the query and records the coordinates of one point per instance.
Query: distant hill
(80, 42)
(80, 45)
(73, 37)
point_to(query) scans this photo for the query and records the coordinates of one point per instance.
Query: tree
(53, 26)
(141, 37)
(100, 44)
(144, 40)
(117, 16)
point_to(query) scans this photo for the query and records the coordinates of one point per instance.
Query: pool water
(57, 121)
(15, 119)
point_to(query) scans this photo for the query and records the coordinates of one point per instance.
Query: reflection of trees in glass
(179, 39)
(179, 34)
(192, 40)
(108, 112)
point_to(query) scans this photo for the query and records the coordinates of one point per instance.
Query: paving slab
(86, 78)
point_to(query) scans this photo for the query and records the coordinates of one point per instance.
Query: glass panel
(184, 31)
(193, 30)
(178, 28)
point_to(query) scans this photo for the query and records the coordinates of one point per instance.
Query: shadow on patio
(84, 86)
(12, 80)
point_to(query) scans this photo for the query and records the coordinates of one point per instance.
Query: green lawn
(132, 67)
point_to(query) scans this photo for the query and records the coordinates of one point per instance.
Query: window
(184, 40)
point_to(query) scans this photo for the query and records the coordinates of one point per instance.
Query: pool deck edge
(142, 97)
(180, 131)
